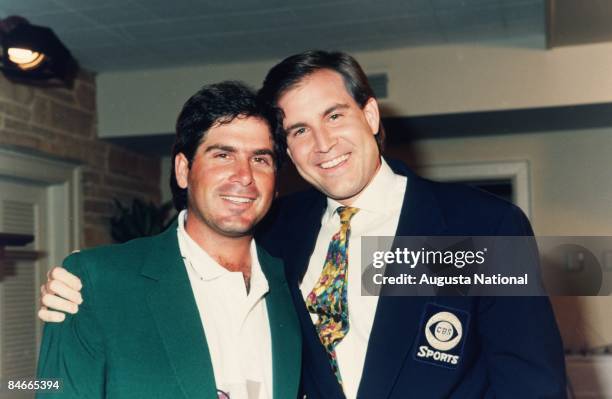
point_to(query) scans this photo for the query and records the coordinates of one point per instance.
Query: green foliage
(140, 220)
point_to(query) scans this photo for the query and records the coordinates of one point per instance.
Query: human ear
(181, 170)
(372, 114)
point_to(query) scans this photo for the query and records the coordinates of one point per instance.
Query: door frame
(515, 171)
(62, 182)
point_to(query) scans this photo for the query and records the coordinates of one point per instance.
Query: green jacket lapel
(284, 327)
(177, 318)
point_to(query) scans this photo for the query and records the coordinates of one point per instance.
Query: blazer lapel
(284, 328)
(177, 318)
(302, 237)
(396, 319)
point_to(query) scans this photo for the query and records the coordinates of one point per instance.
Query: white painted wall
(590, 376)
(571, 183)
(148, 102)
(571, 194)
(422, 81)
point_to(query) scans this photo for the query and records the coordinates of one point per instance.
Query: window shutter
(18, 297)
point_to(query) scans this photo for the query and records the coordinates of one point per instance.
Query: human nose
(324, 140)
(243, 172)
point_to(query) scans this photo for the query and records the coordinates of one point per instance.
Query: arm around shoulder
(73, 350)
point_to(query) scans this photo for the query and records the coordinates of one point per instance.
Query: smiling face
(230, 183)
(330, 138)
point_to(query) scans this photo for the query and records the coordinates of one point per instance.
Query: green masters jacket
(138, 333)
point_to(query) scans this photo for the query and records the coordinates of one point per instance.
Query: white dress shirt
(379, 210)
(235, 323)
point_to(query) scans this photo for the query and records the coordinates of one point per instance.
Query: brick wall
(62, 123)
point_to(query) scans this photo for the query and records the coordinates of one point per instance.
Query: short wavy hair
(292, 70)
(211, 105)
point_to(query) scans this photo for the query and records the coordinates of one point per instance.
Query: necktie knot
(346, 213)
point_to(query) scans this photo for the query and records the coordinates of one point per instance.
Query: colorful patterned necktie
(328, 297)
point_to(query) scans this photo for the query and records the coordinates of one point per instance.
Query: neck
(233, 253)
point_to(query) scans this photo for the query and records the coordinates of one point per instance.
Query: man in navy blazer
(510, 346)
(502, 347)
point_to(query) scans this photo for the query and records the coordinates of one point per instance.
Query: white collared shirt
(379, 206)
(235, 323)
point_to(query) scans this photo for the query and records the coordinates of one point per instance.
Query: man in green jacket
(199, 311)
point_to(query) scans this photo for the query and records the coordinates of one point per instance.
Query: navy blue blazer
(511, 345)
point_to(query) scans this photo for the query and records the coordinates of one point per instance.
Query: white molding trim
(62, 181)
(590, 376)
(516, 171)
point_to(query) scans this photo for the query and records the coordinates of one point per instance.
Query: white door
(23, 209)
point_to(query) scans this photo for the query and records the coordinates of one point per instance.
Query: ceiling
(132, 34)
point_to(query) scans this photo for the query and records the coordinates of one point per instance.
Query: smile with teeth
(237, 200)
(334, 162)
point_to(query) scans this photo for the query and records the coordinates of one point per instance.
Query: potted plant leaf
(141, 219)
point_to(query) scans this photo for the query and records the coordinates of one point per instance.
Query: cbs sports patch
(441, 336)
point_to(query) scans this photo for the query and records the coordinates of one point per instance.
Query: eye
(334, 117)
(299, 131)
(262, 160)
(221, 155)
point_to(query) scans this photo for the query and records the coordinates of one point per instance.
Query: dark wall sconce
(34, 54)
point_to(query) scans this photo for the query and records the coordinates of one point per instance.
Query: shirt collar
(208, 268)
(374, 197)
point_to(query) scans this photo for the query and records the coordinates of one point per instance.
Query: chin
(341, 193)
(235, 228)
(236, 231)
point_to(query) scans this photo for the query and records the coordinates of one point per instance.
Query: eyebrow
(220, 147)
(228, 148)
(335, 107)
(329, 110)
(264, 151)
